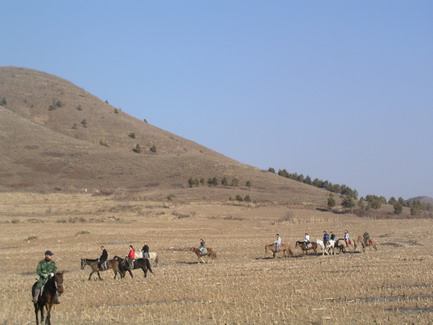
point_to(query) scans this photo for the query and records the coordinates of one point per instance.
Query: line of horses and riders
(47, 289)
(329, 244)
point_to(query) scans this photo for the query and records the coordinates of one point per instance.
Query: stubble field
(392, 285)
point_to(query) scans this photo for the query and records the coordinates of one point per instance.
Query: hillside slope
(55, 136)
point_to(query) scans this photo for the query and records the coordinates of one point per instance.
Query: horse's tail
(156, 259)
(290, 251)
(146, 260)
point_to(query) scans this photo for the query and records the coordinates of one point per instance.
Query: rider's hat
(49, 253)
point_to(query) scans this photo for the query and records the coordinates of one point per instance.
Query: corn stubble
(242, 286)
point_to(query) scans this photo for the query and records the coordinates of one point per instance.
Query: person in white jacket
(277, 242)
(307, 239)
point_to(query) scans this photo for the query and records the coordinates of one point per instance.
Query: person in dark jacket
(325, 238)
(145, 250)
(102, 259)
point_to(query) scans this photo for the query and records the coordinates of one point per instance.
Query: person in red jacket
(131, 257)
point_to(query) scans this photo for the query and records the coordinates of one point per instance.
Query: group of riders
(326, 238)
(47, 267)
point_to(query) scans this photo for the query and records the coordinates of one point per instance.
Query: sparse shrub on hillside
(398, 208)
(224, 181)
(234, 182)
(78, 108)
(131, 135)
(374, 202)
(212, 181)
(145, 121)
(84, 123)
(56, 104)
(202, 181)
(106, 102)
(116, 111)
(247, 198)
(239, 198)
(248, 184)
(75, 126)
(31, 238)
(153, 149)
(271, 170)
(193, 181)
(137, 148)
(103, 143)
(347, 202)
(331, 201)
(3, 101)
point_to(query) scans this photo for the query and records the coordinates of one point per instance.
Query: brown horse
(109, 264)
(341, 243)
(47, 298)
(139, 263)
(364, 245)
(285, 248)
(305, 248)
(210, 253)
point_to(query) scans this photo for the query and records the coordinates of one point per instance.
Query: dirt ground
(244, 285)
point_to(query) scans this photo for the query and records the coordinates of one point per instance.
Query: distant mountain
(423, 199)
(55, 136)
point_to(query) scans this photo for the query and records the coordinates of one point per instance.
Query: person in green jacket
(45, 269)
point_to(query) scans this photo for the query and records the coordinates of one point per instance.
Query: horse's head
(297, 245)
(83, 263)
(58, 281)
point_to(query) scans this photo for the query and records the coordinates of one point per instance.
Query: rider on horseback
(202, 247)
(101, 261)
(131, 257)
(145, 250)
(325, 238)
(366, 237)
(277, 242)
(346, 237)
(333, 237)
(307, 240)
(45, 269)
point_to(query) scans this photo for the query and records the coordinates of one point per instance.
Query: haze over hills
(56, 136)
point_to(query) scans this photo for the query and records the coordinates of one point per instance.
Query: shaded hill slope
(55, 136)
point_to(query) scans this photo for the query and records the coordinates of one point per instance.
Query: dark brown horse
(285, 248)
(47, 297)
(210, 253)
(139, 263)
(109, 264)
(305, 248)
(364, 243)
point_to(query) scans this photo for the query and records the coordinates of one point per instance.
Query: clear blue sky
(339, 90)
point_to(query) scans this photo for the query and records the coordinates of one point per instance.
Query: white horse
(153, 257)
(330, 245)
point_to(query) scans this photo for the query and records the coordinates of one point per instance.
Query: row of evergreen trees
(335, 188)
(349, 196)
(215, 182)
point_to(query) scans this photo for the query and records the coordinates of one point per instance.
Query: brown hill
(56, 136)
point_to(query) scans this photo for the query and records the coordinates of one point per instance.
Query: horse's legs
(90, 275)
(48, 318)
(36, 313)
(99, 276)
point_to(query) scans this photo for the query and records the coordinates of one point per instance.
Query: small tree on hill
(248, 184)
(331, 201)
(137, 148)
(224, 181)
(398, 208)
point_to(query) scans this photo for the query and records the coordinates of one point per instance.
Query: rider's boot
(36, 295)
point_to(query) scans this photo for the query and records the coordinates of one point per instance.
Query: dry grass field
(392, 285)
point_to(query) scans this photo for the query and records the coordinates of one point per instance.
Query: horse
(210, 253)
(329, 248)
(93, 263)
(341, 245)
(47, 297)
(370, 243)
(140, 263)
(305, 248)
(285, 248)
(153, 257)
